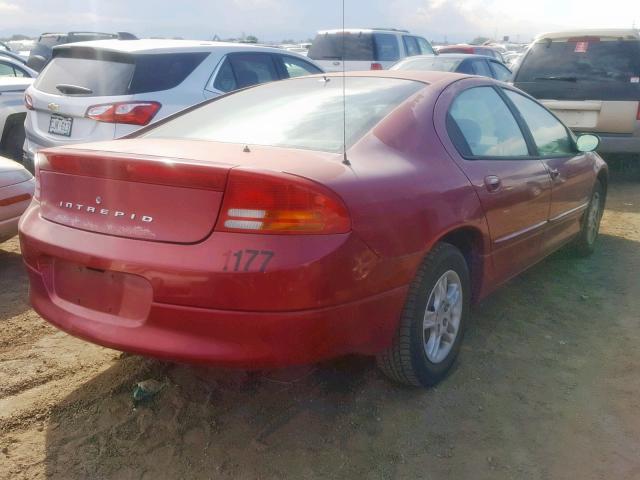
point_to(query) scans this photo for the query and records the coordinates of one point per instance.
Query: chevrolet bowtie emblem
(54, 107)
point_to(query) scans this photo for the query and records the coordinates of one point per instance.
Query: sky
(275, 20)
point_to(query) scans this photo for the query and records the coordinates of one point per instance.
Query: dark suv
(41, 53)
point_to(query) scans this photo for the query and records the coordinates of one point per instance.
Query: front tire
(584, 244)
(433, 320)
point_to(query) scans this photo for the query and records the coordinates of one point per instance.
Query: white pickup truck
(12, 115)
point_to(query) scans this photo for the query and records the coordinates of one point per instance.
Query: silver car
(101, 90)
(16, 190)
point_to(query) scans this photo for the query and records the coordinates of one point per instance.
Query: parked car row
(320, 215)
(459, 63)
(105, 89)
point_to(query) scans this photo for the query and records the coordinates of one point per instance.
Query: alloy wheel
(442, 317)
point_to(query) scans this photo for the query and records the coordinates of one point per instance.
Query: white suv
(365, 48)
(101, 90)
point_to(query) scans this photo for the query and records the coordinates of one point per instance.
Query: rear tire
(433, 320)
(584, 244)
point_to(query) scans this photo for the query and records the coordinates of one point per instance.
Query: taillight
(280, 204)
(134, 113)
(36, 173)
(28, 101)
(376, 66)
(638, 112)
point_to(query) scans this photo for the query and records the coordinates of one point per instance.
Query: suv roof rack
(119, 35)
(391, 29)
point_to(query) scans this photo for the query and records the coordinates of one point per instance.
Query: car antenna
(345, 160)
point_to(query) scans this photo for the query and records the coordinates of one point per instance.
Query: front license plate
(59, 125)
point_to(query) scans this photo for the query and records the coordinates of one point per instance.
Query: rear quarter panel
(407, 192)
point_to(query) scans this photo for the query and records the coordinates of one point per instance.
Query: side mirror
(587, 142)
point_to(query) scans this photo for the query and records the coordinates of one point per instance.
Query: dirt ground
(547, 387)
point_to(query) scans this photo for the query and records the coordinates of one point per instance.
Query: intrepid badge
(105, 211)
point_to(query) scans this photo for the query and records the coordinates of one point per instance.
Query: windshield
(439, 63)
(582, 69)
(301, 113)
(106, 73)
(601, 61)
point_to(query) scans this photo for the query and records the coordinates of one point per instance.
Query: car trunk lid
(130, 195)
(154, 189)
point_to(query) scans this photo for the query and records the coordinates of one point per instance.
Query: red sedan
(238, 233)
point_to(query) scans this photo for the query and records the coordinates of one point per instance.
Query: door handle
(492, 183)
(554, 172)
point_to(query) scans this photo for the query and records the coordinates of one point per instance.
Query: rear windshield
(439, 63)
(304, 113)
(109, 74)
(358, 46)
(585, 68)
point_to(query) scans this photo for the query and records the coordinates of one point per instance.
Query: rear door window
(425, 47)
(481, 125)
(411, 45)
(549, 134)
(9, 70)
(253, 68)
(500, 72)
(241, 70)
(466, 66)
(225, 79)
(387, 48)
(480, 67)
(296, 67)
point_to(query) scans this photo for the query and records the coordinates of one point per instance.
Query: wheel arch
(603, 178)
(471, 243)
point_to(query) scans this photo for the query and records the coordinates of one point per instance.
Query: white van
(365, 49)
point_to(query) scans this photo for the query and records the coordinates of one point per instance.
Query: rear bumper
(319, 297)
(231, 338)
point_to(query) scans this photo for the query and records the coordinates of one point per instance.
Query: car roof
(459, 45)
(168, 46)
(366, 30)
(629, 33)
(14, 83)
(461, 56)
(434, 78)
(12, 61)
